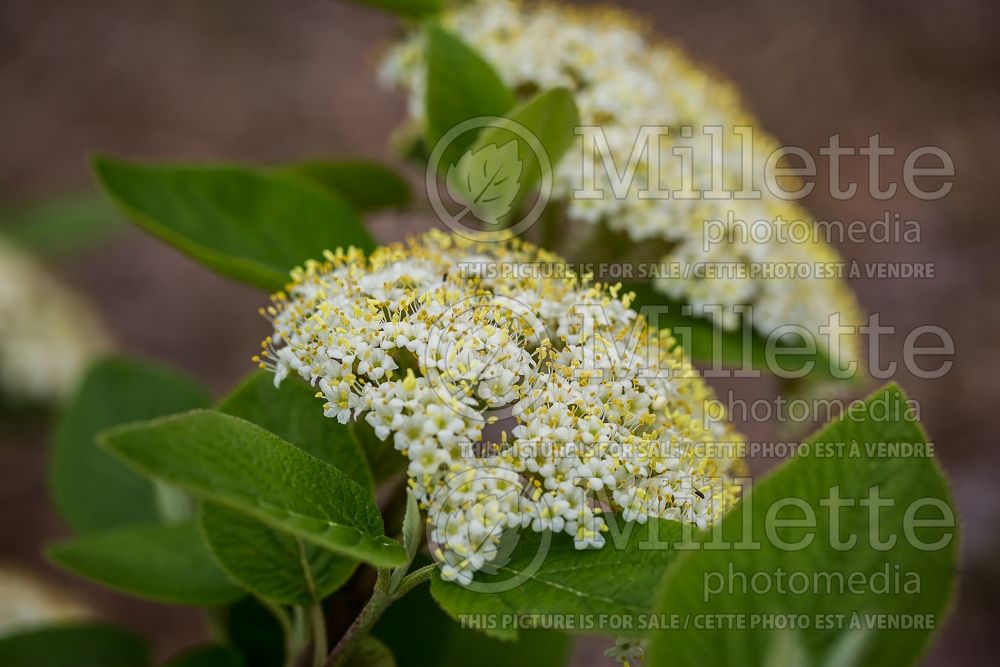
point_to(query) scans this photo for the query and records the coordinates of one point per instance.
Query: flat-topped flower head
(623, 81)
(522, 397)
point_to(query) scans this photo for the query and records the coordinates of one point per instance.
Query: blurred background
(273, 80)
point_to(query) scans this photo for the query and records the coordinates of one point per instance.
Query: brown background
(270, 80)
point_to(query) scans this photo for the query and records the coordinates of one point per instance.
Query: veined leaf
(553, 577)
(251, 225)
(274, 565)
(78, 645)
(893, 534)
(167, 563)
(235, 463)
(293, 413)
(91, 489)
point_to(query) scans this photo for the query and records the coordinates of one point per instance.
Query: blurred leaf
(83, 645)
(255, 633)
(903, 483)
(546, 574)
(413, 9)
(207, 656)
(61, 225)
(228, 460)
(251, 225)
(487, 179)
(733, 349)
(551, 117)
(370, 652)
(272, 564)
(367, 186)
(384, 460)
(91, 489)
(166, 563)
(460, 85)
(419, 633)
(786, 650)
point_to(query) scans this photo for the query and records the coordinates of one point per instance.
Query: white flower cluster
(590, 409)
(47, 336)
(623, 81)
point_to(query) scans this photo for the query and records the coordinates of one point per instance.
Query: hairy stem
(371, 612)
(412, 580)
(381, 598)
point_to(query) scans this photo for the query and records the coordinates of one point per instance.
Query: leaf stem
(413, 580)
(319, 634)
(379, 602)
(287, 630)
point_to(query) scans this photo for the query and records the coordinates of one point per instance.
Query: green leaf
(413, 9)
(741, 348)
(460, 85)
(413, 530)
(272, 564)
(384, 460)
(269, 562)
(419, 633)
(370, 652)
(60, 225)
(367, 186)
(251, 225)
(82, 645)
(255, 633)
(91, 489)
(413, 525)
(207, 656)
(293, 413)
(884, 575)
(230, 461)
(553, 577)
(166, 563)
(551, 117)
(487, 180)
